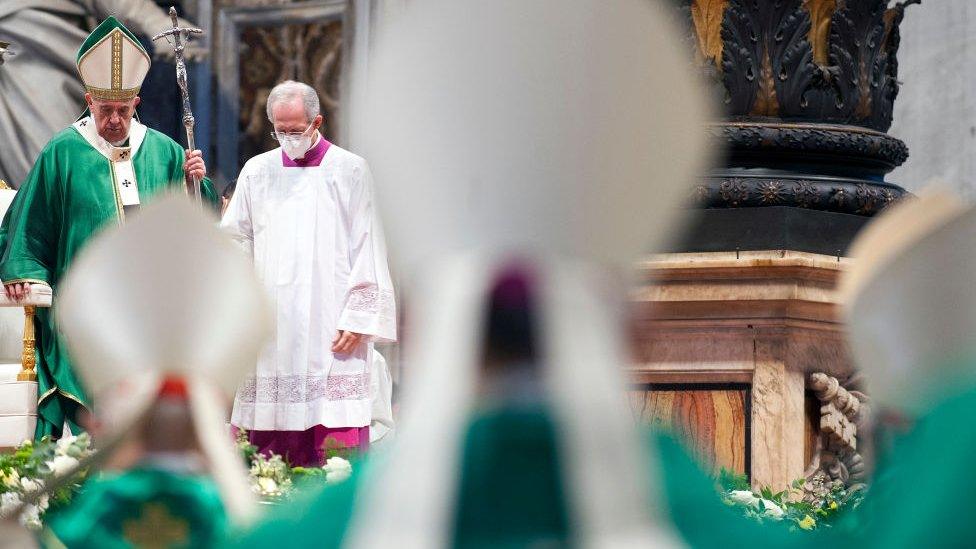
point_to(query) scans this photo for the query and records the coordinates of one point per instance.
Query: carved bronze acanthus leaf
(802, 60)
(707, 17)
(820, 12)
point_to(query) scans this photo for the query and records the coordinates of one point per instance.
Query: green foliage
(730, 480)
(303, 477)
(25, 470)
(331, 447)
(273, 479)
(806, 506)
(244, 445)
(309, 472)
(270, 476)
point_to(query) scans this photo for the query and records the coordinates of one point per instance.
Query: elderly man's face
(289, 117)
(112, 118)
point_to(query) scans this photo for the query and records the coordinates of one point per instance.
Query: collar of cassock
(313, 157)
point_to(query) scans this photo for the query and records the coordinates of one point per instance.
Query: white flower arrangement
(337, 470)
(61, 465)
(744, 497)
(273, 479)
(25, 471)
(270, 476)
(767, 508)
(792, 508)
(11, 479)
(771, 510)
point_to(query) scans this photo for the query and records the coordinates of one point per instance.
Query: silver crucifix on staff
(181, 35)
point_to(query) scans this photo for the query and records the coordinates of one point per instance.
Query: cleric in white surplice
(305, 213)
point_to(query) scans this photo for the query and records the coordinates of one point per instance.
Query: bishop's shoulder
(65, 138)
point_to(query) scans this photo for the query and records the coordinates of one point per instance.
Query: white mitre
(910, 301)
(167, 295)
(565, 131)
(112, 62)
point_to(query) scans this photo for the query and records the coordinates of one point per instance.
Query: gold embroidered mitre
(112, 63)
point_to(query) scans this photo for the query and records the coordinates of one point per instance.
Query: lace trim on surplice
(303, 388)
(368, 298)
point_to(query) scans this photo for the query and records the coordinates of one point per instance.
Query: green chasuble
(79, 185)
(510, 494)
(922, 495)
(140, 508)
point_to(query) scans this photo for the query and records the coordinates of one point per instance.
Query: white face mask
(295, 146)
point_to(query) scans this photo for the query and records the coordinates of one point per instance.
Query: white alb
(319, 252)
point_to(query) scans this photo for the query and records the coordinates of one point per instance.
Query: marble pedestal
(725, 342)
(18, 407)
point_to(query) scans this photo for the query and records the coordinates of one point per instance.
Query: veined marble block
(754, 323)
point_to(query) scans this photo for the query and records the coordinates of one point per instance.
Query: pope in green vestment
(89, 176)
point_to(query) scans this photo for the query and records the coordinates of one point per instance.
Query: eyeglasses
(278, 136)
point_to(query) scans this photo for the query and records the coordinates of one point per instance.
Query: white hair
(290, 90)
